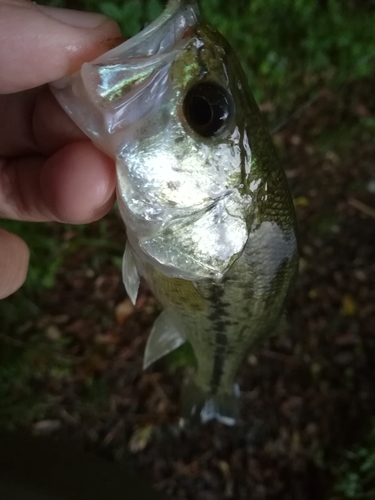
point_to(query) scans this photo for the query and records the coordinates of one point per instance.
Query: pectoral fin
(130, 274)
(164, 338)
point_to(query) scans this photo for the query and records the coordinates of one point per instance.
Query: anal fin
(164, 338)
(130, 274)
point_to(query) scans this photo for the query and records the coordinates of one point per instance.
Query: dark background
(71, 344)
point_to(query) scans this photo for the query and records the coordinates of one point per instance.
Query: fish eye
(208, 109)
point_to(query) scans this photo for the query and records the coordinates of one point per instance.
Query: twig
(296, 113)
(362, 207)
(112, 433)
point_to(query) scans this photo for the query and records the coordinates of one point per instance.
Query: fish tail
(200, 405)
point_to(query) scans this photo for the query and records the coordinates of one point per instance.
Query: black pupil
(207, 109)
(200, 111)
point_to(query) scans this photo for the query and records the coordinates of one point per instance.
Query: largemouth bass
(209, 218)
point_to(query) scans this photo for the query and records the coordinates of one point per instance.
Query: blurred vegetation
(290, 49)
(355, 476)
(29, 360)
(24, 367)
(49, 245)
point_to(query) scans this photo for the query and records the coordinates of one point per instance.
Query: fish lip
(150, 34)
(151, 31)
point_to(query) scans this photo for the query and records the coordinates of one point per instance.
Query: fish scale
(209, 218)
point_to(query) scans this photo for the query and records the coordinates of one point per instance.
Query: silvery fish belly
(209, 219)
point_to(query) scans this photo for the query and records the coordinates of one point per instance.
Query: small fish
(209, 218)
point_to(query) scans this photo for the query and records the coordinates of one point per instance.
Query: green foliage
(24, 369)
(50, 244)
(30, 365)
(292, 46)
(355, 477)
(131, 15)
(29, 360)
(183, 356)
(46, 251)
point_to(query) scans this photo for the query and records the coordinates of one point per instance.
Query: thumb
(39, 44)
(14, 259)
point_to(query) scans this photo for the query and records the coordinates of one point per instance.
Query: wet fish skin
(209, 219)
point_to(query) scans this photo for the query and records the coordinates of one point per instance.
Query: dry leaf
(53, 333)
(123, 310)
(140, 438)
(301, 201)
(349, 306)
(46, 426)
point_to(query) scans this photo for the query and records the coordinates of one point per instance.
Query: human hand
(48, 171)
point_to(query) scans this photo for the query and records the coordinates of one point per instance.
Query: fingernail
(75, 18)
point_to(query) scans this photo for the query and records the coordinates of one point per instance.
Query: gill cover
(216, 235)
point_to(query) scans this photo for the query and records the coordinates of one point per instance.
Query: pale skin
(49, 171)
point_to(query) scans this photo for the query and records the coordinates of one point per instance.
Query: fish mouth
(108, 91)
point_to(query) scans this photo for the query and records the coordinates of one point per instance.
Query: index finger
(40, 44)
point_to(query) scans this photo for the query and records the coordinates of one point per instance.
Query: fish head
(172, 106)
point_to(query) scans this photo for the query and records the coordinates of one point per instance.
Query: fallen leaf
(301, 201)
(140, 438)
(226, 472)
(46, 426)
(123, 310)
(93, 363)
(53, 333)
(349, 306)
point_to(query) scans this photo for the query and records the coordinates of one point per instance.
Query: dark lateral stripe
(220, 322)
